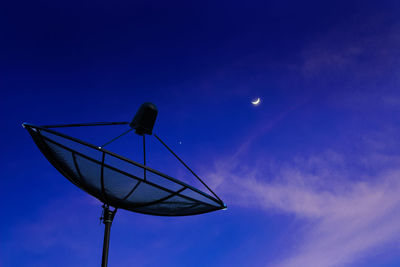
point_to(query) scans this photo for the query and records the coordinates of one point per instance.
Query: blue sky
(311, 176)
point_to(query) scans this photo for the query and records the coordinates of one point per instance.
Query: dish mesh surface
(120, 182)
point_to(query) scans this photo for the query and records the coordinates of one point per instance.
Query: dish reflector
(118, 181)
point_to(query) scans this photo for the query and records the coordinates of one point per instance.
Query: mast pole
(107, 219)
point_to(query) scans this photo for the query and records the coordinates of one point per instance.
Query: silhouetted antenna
(120, 182)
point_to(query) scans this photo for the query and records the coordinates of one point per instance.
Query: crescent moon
(256, 102)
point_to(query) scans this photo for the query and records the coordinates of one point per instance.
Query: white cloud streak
(346, 212)
(343, 220)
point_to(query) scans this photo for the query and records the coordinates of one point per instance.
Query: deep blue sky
(311, 176)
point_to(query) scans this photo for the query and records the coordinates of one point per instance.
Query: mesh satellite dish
(117, 181)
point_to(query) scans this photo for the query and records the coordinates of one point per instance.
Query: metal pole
(107, 219)
(144, 157)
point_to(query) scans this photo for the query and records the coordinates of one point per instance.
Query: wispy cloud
(345, 212)
(360, 51)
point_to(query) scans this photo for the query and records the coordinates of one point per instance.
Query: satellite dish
(117, 181)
